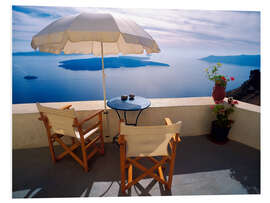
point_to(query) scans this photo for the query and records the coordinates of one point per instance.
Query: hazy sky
(194, 31)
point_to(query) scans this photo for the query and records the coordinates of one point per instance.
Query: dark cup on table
(131, 96)
(124, 97)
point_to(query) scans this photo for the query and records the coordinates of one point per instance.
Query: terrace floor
(202, 168)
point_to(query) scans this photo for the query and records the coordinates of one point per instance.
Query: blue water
(79, 78)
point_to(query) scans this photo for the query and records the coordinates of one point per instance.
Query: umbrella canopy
(94, 33)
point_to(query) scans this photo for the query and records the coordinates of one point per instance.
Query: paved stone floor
(202, 168)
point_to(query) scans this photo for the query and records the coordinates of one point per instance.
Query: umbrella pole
(103, 79)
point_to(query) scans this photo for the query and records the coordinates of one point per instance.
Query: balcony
(202, 167)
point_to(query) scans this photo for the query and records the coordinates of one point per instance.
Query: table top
(139, 103)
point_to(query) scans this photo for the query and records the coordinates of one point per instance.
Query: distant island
(30, 77)
(242, 60)
(94, 64)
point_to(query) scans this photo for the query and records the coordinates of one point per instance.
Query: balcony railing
(29, 132)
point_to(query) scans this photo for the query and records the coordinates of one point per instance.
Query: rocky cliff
(249, 91)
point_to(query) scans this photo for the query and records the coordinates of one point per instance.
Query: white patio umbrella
(97, 34)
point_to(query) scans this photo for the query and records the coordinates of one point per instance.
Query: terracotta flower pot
(218, 93)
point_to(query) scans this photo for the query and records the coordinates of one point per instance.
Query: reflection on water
(167, 74)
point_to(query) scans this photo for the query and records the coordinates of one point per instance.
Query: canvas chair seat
(87, 135)
(77, 133)
(137, 142)
(64, 122)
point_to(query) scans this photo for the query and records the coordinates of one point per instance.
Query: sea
(63, 78)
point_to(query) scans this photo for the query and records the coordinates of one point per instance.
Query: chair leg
(69, 151)
(122, 167)
(123, 179)
(160, 173)
(73, 140)
(85, 160)
(52, 150)
(172, 162)
(130, 173)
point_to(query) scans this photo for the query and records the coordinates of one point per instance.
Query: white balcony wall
(29, 132)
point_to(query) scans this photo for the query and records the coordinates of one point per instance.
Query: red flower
(212, 106)
(232, 78)
(223, 78)
(235, 102)
(219, 102)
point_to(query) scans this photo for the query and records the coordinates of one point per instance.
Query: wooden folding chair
(64, 122)
(138, 142)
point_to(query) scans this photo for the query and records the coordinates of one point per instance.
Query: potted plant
(218, 93)
(222, 125)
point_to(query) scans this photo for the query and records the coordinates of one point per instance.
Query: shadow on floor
(34, 174)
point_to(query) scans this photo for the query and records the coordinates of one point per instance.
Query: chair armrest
(168, 121)
(90, 117)
(42, 117)
(66, 107)
(121, 140)
(176, 137)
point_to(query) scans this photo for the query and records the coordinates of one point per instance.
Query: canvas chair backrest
(148, 140)
(60, 120)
